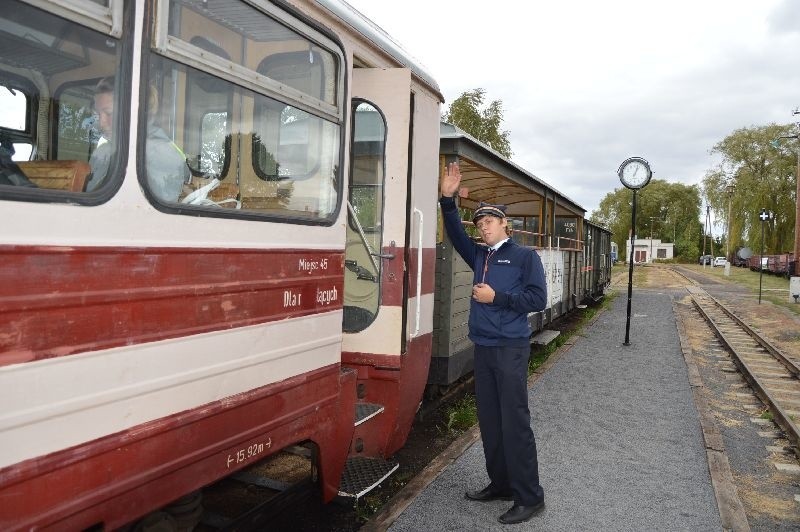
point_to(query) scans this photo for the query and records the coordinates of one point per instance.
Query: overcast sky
(587, 84)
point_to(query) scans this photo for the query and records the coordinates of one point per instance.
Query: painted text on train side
(326, 297)
(246, 453)
(311, 266)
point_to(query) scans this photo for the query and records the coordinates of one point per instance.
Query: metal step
(364, 411)
(361, 475)
(545, 337)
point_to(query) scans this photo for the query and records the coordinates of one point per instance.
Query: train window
(516, 229)
(289, 151)
(207, 134)
(365, 206)
(214, 153)
(250, 36)
(50, 63)
(78, 128)
(15, 104)
(566, 232)
(257, 141)
(366, 172)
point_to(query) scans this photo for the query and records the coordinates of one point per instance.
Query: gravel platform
(620, 446)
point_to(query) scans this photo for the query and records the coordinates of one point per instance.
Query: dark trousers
(501, 392)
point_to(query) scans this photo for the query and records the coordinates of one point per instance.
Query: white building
(648, 250)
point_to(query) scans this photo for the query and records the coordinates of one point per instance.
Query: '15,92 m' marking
(246, 453)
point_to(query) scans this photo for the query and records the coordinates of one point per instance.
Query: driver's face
(104, 109)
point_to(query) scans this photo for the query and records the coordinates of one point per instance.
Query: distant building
(648, 250)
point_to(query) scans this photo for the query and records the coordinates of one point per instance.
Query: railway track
(771, 374)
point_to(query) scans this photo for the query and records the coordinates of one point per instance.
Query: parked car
(705, 259)
(720, 261)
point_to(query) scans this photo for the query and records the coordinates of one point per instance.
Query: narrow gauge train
(162, 329)
(575, 253)
(781, 264)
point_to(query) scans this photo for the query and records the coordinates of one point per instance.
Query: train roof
(490, 176)
(380, 38)
(599, 226)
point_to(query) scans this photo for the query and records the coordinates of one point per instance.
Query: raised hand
(450, 180)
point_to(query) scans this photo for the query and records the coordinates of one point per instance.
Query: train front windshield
(240, 110)
(49, 68)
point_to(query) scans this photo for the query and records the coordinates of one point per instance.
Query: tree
(484, 124)
(668, 211)
(756, 172)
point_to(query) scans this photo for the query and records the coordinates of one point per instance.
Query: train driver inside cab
(104, 122)
(165, 163)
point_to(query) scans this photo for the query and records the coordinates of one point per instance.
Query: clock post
(635, 174)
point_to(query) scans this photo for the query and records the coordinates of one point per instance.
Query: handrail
(419, 275)
(360, 231)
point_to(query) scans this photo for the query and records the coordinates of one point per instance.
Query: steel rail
(787, 362)
(781, 417)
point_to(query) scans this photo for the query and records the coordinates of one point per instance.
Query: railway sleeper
(751, 361)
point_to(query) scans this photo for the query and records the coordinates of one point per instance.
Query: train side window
(16, 102)
(365, 220)
(296, 143)
(255, 106)
(78, 131)
(51, 58)
(208, 150)
(215, 151)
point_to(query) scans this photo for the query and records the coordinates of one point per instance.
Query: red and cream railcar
(161, 328)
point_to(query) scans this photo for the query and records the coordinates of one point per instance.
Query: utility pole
(707, 232)
(652, 218)
(729, 189)
(797, 206)
(776, 143)
(710, 233)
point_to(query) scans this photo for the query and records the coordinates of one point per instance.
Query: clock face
(635, 173)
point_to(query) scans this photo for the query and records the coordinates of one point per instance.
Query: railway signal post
(764, 217)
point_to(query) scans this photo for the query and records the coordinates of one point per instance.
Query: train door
(377, 261)
(377, 205)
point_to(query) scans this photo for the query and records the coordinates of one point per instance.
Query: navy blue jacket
(516, 275)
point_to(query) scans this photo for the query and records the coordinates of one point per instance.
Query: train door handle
(388, 256)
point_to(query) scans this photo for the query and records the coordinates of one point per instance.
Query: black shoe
(520, 514)
(489, 494)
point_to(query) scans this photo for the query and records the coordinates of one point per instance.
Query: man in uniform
(509, 283)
